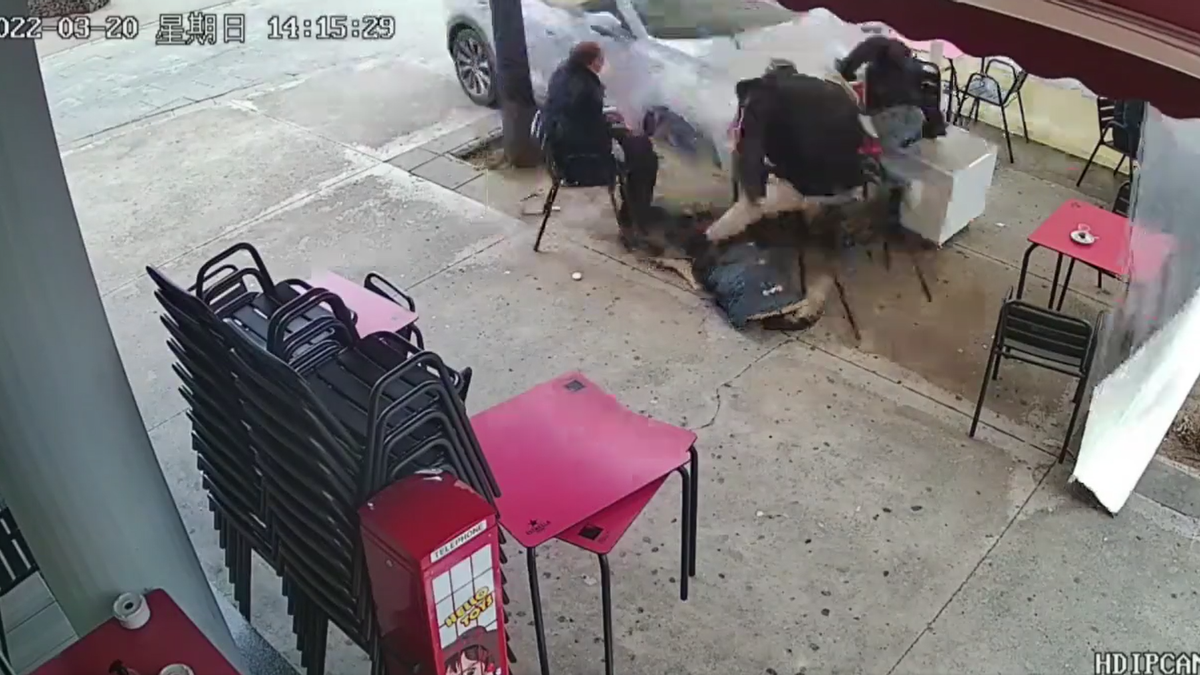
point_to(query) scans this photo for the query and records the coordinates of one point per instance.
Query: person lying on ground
(578, 125)
(810, 131)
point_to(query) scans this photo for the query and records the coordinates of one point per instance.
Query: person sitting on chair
(894, 101)
(578, 125)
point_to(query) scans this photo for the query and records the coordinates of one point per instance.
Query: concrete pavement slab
(1065, 581)
(152, 193)
(412, 159)
(383, 220)
(380, 107)
(447, 172)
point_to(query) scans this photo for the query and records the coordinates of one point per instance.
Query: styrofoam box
(950, 178)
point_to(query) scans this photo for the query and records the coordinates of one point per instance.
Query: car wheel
(664, 125)
(474, 65)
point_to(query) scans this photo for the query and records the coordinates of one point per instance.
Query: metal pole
(516, 90)
(76, 465)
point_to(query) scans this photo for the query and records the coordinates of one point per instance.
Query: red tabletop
(1110, 252)
(1117, 241)
(376, 314)
(170, 637)
(566, 450)
(601, 532)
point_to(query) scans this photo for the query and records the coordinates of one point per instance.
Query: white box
(950, 178)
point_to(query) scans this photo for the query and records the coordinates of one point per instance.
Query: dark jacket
(807, 127)
(574, 112)
(893, 75)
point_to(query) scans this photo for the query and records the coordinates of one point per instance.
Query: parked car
(672, 64)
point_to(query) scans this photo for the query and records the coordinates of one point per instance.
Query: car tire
(474, 65)
(668, 126)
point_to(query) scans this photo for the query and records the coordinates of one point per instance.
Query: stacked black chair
(16, 564)
(297, 421)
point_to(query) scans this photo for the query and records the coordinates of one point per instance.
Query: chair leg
(1062, 455)
(606, 608)
(1117, 168)
(547, 209)
(539, 622)
(3, 639)
(1007, 135)
(993, 362)
(958, 113)
(1024, 124)
(1099, 279)
(1088, 165)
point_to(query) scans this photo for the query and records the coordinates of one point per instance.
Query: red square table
(1110, 254)
(572, 462)
(170, 637)
(375, 310)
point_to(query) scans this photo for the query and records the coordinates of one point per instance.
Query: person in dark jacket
(895, 101)
(811, 132)
(579, 129)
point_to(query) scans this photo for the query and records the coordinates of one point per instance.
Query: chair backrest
(931, 84)
(1053, 338)
(1121, 203)
(1105, 112)
(1016, 75)
(1127, 125)
(16, 560)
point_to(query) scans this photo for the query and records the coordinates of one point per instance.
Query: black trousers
(641, 171)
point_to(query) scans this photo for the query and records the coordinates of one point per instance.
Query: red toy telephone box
(433, 555)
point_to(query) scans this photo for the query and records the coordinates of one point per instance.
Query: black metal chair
(983, 87)
(16, 564)
(576, 171)
(1120, 124)
(1043, 338)
(931, 90)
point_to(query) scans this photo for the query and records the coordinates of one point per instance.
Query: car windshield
(695, 19)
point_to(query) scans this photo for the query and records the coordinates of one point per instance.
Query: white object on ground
(577, 276)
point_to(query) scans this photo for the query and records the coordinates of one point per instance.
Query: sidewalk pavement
(847, 524)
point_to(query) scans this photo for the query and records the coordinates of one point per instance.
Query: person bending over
(811, 133)
(578, 126)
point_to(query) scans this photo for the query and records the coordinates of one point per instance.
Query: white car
(672, 64)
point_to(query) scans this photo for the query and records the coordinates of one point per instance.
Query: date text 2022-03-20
(332, 27)
(72, 27)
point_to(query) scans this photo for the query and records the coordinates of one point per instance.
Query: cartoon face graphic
(473, 660)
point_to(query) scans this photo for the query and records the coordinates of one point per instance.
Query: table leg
(1024, 270)
(685, 523)
(606, 606)
(1066, 283)
(539, 622)
(1054, 284)
(695, 509)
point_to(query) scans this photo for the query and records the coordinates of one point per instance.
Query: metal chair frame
(1004, 97)
(16, 565)
(1044, 338)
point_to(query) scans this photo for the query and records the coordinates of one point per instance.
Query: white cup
(176, 669)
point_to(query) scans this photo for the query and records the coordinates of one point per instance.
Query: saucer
(1083, 237)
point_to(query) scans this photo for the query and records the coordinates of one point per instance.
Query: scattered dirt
(489, 156)
(1183, 440)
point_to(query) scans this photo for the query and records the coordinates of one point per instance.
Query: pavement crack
(729, 383)
(995, 542)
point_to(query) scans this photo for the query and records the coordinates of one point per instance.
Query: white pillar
(76, 465)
